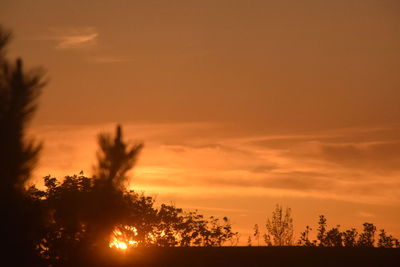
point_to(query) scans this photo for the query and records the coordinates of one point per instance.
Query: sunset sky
(240, 104)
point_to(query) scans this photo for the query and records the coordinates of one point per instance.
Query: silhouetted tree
(84, 212)
(67, 204)
(304, 239)
(279, 228)
(387, 241)
(234, 241)
(114, 159)
(321, 235)
(107, 200)
(350, 238)
(367, 237)
(19, 91)
(334, 237)
(20, 217)
(256, 234)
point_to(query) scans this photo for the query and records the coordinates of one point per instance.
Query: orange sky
(240, 104)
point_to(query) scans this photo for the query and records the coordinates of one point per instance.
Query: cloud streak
(77, 39)
(107, 59)
(326, 164)
(72, 38)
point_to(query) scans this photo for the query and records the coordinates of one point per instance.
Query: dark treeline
(279, 232)
(350, 238)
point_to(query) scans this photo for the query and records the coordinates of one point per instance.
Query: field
(254, 256)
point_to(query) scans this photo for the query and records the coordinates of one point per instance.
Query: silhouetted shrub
(279, 228)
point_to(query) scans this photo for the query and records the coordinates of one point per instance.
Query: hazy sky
(240, 104)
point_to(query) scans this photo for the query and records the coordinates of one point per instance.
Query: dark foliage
(70, 235)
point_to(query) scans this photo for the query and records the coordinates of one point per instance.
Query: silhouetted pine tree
(108, 206)
(19, 92)
(114, 159)
(20, 217)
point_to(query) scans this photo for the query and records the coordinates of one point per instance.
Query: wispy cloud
(72, 38)
(107, 59)
(77, 38)
(81, 38)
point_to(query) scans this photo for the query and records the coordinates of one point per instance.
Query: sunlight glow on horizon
(122, 239)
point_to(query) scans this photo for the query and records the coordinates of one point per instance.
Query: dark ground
(253, 256)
